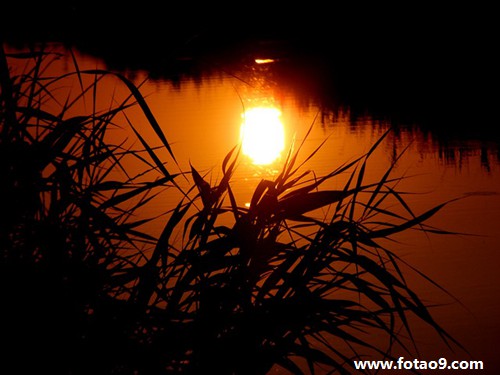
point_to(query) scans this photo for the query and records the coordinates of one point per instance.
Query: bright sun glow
(262, 134)
(264, 61)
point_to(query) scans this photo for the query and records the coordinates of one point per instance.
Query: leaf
(152, 154)
(259, 192)
(59, 137)
(203, 188)
(299, 204)
(120, 198)
(408, 224)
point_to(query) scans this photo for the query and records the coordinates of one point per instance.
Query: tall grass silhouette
(86, 290)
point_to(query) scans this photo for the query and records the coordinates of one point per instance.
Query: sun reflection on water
(262, 134)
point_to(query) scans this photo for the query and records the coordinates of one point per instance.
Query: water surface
(202, 117)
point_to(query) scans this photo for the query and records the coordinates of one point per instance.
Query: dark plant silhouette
(85, 290)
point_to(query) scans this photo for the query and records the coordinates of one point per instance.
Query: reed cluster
(299, 279)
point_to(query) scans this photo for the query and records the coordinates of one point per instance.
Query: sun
(262, 134)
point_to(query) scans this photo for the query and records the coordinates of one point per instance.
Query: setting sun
(262, 134)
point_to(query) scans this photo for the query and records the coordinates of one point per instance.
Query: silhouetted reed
(86, 290)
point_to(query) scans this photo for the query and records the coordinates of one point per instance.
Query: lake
(209, 113)
(202, 112)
